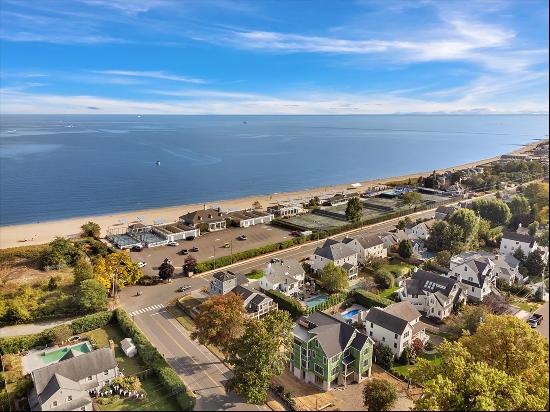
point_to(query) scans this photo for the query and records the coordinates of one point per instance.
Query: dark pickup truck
(535, 320)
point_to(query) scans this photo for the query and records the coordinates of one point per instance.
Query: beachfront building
(206, 219)
(247, 218)
(340, 254)
(176, 231)
(367, 247)
(284, 276)
(432, 294)
(327, 351)
(141, 235)
(339, 199)
(396, 326)
(284, 210)
(67, 384)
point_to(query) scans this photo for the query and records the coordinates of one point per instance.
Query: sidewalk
(30, 328)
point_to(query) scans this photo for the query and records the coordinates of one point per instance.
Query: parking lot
(210, 245)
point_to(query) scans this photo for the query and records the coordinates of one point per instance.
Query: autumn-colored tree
(260, 354)
(117, 266)
(189, 264)
(220, 321)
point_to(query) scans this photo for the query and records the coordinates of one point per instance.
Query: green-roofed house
(329, 352)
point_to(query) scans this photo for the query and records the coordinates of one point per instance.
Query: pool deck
(37, 359)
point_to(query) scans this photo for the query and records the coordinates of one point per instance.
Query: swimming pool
(316, 300)
(350, 314)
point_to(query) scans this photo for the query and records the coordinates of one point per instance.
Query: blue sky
(273, 57)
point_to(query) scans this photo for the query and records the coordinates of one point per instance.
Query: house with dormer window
(329, 352)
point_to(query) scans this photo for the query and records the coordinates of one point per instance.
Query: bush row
(369, 299)
(287, 303)
(15, 344)
(154, 360)
(247, 254)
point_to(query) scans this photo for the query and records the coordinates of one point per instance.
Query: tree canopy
(502, 366)
(166, 270)
(466, 220)
(220, 321)
(411, 199)
(91, 229)
(379, 394)
(119, 266)
(259, 354)
(519, 205)
(495, 211)
(334, 278)
(82, 271)
(405, 249)
(93, 296)
(354, 209)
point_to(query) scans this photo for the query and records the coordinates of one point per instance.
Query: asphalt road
(202, 372)
(543, 327)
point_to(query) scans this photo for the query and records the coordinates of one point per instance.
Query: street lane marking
(147, 309)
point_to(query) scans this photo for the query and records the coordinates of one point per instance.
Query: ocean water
(54, 167)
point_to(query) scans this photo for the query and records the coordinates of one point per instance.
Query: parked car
(535, 320)
(194, 249)
(172, 243)
(137, 248)
(142, 264)
(242, 237)
(184, 288)
(184, 252)
(226, 245)
(295, 233)
(275, 260)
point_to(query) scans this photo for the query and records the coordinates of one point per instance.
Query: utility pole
(214, 247)
(231, 252)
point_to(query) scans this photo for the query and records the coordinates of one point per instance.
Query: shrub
(146, 280)
(91, 322)
(286, 303)
(369, 299)
(91, 229)
(59, 334)
(379, 394)
(15, 344)
(383, 355)
(384, 280)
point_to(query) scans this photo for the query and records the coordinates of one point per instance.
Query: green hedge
(287, 303)
(153, 359)
(91, 322)
(247, 254)
(369, 299)
(14, 344)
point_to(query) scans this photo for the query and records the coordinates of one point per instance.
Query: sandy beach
(43, 232)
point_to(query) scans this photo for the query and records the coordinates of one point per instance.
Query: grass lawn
(255, 275)
(388, 292)
(100, 339)
(396, 268)
(157, 399)
(526, 305)
(406, 369)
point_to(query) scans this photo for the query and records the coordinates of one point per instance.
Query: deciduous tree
(91, 229)
(220, 321)
(117, 266)
(189, 264)
(260, 354)
(82, 271)
(466, 220)
(93, 296)
(405, 249)
(411, 199)
(379, 394)
(519, 205)
(166, 270)
(493, 210)
(534, 264)
(334, 278)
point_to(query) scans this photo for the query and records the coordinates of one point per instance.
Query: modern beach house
(328, 352)
(139, 234)
(284, 210)
(209, 219)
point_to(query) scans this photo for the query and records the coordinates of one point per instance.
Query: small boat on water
(157, 162)
(12, 131)
(245, 122)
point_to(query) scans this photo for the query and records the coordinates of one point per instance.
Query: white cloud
(160, 75)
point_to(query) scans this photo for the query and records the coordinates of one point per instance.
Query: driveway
(202, 372)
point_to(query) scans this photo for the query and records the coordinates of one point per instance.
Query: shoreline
(44, 232)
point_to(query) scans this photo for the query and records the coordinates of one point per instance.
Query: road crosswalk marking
(147, 309)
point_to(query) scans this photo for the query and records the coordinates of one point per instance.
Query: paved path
(201, 371)
(30, 328)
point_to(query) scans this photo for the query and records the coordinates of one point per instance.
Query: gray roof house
(367, 246)
(340, 254)
(442, 212)
(66, 385)
(256, 303)
(285, 276)
(396, 326)
(476, 275)
(433, 294)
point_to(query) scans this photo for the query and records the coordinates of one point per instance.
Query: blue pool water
(350, 314)
(316, 300)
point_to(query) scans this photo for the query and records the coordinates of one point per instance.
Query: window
(54, 403)
(395, 336)
(106, 372)
(473, 288)
(406, 334)
(69, 398)
(318, 369)
(372, 325)
(395, 345)
(383, 339)
(370, 333)
(90, 378)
